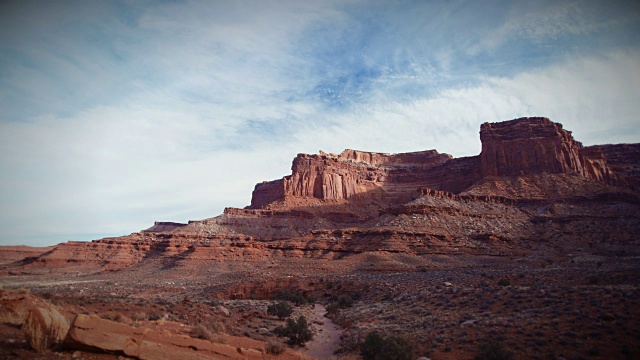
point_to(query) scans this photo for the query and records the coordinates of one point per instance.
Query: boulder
(45, 327)
(16, 305)
(223, 310)
(95, 334)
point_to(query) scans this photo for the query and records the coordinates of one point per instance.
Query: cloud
(129, 113)
(595, 97)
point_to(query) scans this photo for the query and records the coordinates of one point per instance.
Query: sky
(116, 114)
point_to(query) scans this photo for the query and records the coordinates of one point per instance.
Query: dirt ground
(571, 308)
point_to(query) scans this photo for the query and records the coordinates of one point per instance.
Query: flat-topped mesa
(427, 157)
(160, 226)
(348, 175)
(536, 145)
(525, 146)
(528, 146)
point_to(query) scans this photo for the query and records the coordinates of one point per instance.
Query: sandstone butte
(533, 193)
(529, 171)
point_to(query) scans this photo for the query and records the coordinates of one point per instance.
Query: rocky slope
(532, 183)
(534, 243)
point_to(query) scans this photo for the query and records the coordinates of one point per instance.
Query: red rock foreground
(46, 329)
(92, 332)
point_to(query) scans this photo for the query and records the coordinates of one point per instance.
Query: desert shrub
(200, 332)
(212, 303)
(387, 297)
(154, 317)
(139, 316)
(351, 340)
(333, 307)
(281, 310)
(376, 347)
(297, 330)
(345, 301)
(504, 282)
(372, 346)
(493, 350)
(295, 297)
(214, 325)
(117, 317)
(274, 347)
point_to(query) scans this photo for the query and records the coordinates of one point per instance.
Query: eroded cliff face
(525, 146)
(623, 162)
(536, 145)
(351, 175)
(532, 184)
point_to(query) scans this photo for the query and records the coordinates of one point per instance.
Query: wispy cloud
(116, 114)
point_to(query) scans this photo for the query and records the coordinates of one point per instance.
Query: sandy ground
(327, 337)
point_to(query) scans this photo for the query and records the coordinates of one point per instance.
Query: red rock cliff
(537, 145)
(517, 147)
(528, 146)
(350, 175)
(623, 162)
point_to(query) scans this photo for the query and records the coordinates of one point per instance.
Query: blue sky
(119, 113)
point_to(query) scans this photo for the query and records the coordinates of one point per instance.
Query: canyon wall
(623, 162)
(525, 146)
(350, 175)
(537, 145)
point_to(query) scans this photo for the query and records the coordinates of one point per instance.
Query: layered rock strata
(537, 145)
(517, 147)
(532, 183)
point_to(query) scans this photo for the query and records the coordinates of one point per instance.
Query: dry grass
(117, 317)
(274, 347)
(200, 332)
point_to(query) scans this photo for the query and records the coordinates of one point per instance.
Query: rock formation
(623, 161)
(42, 324)
(45, 327)
(537, 145)
(347, 176)
(532, 182)
(517, 147)
(16, 305)
(93, 333)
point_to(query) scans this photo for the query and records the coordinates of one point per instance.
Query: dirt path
(327, 336)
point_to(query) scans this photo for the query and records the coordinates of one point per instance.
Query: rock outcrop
(45, 327)
(623, 161)
(532, 182)
(351, 175)
(42, 324)
(160, 226)
(16, 305)
(528, 146)
(95, 334)
(524, 146)
(9, 254)
(537, 145)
